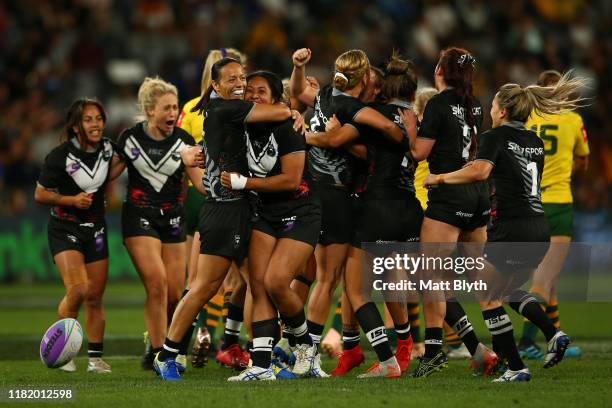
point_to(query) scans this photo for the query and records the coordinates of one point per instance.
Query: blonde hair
(214, 56)
(520, 102)
(150, 89)
(422, 97)
(350, 68)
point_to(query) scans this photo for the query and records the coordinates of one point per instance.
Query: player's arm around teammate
(72, 182)
(285, 233)
(515, 158)
(225, 222)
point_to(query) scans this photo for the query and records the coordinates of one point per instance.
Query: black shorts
(337, 221)
(299, 220)
(465, 206)
(225, 228)
(527, 241)
(389, 221)
(89, 239)
(167, 226)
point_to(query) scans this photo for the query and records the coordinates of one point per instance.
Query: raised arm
(300, 88)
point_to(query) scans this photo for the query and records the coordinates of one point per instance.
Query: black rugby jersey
(389, 169)
(68, 170)
(444, 120)
(331, 166)
(225, 145)
(155, 168)
(517, 155)
(266, 144)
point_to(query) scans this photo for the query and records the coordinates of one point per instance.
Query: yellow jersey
(191, 122)
(564, 137)
(420, 173)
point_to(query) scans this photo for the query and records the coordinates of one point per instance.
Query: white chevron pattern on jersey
(263, 162)
(90, 180)
(155, 174)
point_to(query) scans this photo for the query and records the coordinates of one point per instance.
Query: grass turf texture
(27, 311)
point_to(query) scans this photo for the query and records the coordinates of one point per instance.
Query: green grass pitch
(25, 312)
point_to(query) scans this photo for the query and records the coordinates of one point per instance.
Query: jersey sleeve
(236, 111)
(489, 148)
(289, 141)
(52, 170)
(186, 137)
(346, 109)
(432, 120)
(120, 145)
(581, 146)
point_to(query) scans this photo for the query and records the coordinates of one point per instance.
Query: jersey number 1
(533, 169)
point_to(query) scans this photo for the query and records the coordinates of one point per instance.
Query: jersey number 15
(545, 134)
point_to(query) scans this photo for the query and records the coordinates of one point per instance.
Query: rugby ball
(61, 343)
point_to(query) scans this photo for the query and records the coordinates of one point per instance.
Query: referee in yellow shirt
(566, 150)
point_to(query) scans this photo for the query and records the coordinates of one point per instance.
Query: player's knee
(77, 293)
(157, 289)
(275, 285)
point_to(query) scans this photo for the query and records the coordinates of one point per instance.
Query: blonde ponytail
(350, 68)
(520, 102)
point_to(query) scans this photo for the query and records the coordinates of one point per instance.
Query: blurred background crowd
(53, 51)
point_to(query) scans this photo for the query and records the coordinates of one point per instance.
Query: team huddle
(287, 181)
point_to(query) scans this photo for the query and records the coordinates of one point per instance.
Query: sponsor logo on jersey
(464, 214)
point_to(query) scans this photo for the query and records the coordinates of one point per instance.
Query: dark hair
(215, 74)
(274, 82)
(549, 78)
(400, 80)
(458, 69)
(74, 117)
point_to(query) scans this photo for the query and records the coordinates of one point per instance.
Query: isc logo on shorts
(175, 221)
(72, 238)
(144, 223)
(99, 232)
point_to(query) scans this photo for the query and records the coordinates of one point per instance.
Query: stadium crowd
(54, 51)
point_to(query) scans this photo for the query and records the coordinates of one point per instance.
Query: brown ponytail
(400, 79)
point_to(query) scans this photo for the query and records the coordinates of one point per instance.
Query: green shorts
(560, 219)
(193, 205)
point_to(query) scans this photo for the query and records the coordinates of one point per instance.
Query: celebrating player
(192, 121)
(225, 222)
(447, 137)
(72, 182)
(153, 219)
(284, 235)
(514, 157)
(330, 170)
